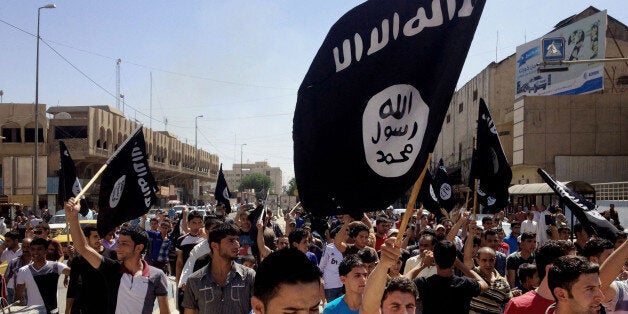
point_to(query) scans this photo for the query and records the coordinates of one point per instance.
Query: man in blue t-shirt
(353, 274)
(299, 239)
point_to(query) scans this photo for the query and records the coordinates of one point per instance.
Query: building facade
(239, 171)
(574, 137)
(92, 134)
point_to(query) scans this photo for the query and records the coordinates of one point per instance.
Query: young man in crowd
(615, 289)
(575, 285)
(15, 265)
(537, 301)
(513, 238)
(54, 251)
(598, 250)
(298, 239)
(332, 257)
(132, 284)
(185, 244)
(490, 239)
(85, 289)
(198, 253)
(353, 274)
(223, 286)
(524, 255)
(287, 282)
(388, 295)
(582, 237)
(12, 247)
(426, 247)
(357, 232)
(435, 292)
(38, 280)
(159, 244)
(382, 225)
(528, 279)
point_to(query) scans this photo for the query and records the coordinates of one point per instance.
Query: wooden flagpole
(475, 200)
(411, 203)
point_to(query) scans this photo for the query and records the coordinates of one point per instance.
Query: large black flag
(69, 185)
(583, 209)
(489, 164)
(372, 103)
(442, 187)
(127, 186)
(428, 197)
(222, 193)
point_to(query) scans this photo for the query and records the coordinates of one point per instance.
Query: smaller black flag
(443, 189)
(428, 197)
(583, 209)
(127, 186)
(489, 164)
(222, 193)
(69, 185)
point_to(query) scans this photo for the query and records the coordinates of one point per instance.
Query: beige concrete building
(274, 173)
(578, 137)
(92, 133)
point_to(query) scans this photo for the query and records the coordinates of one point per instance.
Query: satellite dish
(63, 115)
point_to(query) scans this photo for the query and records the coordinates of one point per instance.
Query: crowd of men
(336, 264)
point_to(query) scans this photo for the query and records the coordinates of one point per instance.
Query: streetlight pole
(241, 145)
(36, 153)
(196, 147)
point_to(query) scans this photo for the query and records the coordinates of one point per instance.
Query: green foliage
(292, 187)
(257, 181)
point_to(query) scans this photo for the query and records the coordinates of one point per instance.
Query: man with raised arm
(132, 284)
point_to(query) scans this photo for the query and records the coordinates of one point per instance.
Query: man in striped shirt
(498, 294)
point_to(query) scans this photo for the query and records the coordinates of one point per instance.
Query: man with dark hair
(388, 295)
(85, 289)
(382, 225)
(524, 255)
(513, 238)
(358, 231)
(132, 284)
(426, 248)
(575, 285)
(436, 292)
(14, 266)
(54, 251)
(286, 281)
(329, 266)
(38, 280)
(12, 246)
(184, 245)
(199, 256)
(537, 301)
(490, 239)
(598, 250)
(353, 274)
(615, 289)
(528, 278)
(159, 244)
(223, 286)
(369, 257)
(299, 239)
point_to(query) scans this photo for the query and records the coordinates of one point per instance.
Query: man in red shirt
(382, 225)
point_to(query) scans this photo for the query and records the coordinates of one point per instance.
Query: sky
(237, 63)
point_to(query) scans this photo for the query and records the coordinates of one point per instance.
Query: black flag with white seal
(222, 193)
(69, 185)
(443, 189)
(583, 209)
(427, 196)
(372, 104)
(489, 164)
(127, 186)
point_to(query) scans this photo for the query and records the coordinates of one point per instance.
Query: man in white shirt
(426, 247)
(12, 247)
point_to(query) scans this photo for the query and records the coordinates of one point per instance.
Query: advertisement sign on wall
(582, 40)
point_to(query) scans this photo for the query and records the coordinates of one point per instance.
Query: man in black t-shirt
(446, 292)
(86, 293)
(184, 246)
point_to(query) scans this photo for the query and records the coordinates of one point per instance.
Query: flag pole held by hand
(412, 202)
(475, 200)
(100, 171)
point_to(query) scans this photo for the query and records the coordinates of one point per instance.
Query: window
(29, 135)
(475, 95)
(65, 132)
(11, 135)
(448, 118)
(460, 107)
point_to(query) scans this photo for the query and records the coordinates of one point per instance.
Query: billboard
(581, 40)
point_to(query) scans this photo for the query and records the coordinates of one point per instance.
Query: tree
(292, 187)
(257, 181)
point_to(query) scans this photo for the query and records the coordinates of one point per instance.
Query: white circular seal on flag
(76, 187)
(116, 192)
(225, 193)
(432, 194)
(445, 191)
(393, 126)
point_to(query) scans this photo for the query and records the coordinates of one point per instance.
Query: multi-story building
(92, 133)
(573, 137)
(239, 171)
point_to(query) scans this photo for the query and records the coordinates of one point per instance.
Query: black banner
(583, 209)
(489, 164)
(69, 185)
(127, 186)
(427, 196)
(443, 189)
(372, 104)
(222, 193)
